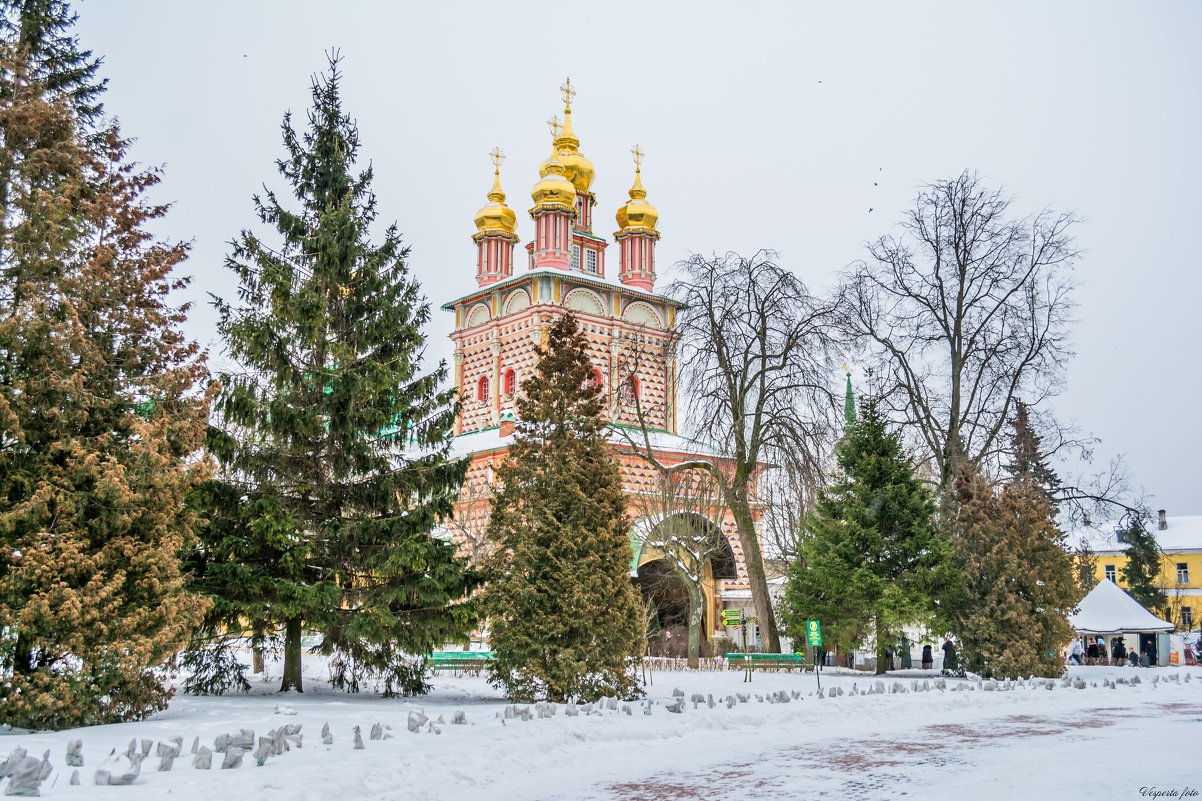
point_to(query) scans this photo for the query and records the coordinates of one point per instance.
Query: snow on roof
(1183, 532)
(1109, 610)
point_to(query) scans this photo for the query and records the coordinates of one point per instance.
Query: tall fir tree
(1141, 573)
(564, 617)
(42, 32)
(101, 415)
(871, 558)
(1026, 458)
(1019, 583)
(333, 445)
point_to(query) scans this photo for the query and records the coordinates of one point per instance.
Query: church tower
(630, 330)
(494, 235)
(637, 234)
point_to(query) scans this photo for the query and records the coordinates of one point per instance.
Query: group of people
(1094, 652)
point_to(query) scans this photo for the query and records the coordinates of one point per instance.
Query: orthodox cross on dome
(639, 155)
(496, 156)
(568, 92)
(554, 125)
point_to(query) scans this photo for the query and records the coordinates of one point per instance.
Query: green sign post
(814, 633)
(814, 640)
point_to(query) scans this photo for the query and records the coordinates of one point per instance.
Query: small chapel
(630, 329)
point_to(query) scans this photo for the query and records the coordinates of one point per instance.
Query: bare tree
(964, 312)
(790, 492)
(755, 352)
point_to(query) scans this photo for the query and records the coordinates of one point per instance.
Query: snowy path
(1031, 743)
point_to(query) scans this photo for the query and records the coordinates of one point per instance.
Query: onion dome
(495, 216)
(637, 213)
(554, 190)
(578, 169)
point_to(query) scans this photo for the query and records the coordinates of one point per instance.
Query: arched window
(630, 390)
(598, 378)
(511, 382)
(482, 389)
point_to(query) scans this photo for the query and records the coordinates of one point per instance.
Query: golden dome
(578, 169)
(495, 216)
(638, 213)
(554, 190)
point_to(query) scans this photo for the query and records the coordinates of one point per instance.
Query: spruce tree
(41, 33)
(871, 558)
(564, 617)
(1084, 562)
(101, 418)
(1141, 573)
(1018, 580)
(1027, 460)
(333, 444)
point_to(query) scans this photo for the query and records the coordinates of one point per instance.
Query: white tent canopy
(1109, 610)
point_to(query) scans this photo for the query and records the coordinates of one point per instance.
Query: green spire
(849, 402)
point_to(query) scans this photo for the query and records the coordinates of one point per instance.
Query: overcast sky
(803, 127)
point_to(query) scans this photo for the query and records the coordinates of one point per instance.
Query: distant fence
(682, 663)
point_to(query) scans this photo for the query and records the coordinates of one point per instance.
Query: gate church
(500, 326)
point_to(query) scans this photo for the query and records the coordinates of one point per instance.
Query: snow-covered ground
(1023, 743)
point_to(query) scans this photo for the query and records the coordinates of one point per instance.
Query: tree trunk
(256, 650)
(292, 656)
(696, 610)
(881, 648)
(754, 559)
(22, 656)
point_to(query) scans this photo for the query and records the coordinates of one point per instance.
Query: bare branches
(756, 358)
(964, 313)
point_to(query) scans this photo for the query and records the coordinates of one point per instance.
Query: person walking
(1076, 650)
(927, 659)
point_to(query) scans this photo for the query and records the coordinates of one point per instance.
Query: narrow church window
(590, 261)
(482, 389)
(511, 382)
(630, 390)
(575, 257)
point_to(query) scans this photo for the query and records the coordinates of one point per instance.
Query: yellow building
(1180, 540)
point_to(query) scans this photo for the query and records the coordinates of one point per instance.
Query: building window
(590, 261)
(575, 257)
(1109, 572)
(1183, 573)
(482, 389)
(1187, 618)
(511, 382)
(630, 390)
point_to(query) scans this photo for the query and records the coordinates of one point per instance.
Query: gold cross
(553, 124)
(568, 92)
(497, 157)
(638, 154)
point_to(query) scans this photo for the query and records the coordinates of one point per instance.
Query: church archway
(660, 559)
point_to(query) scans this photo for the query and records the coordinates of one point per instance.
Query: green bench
(738, 661)
(458, 661)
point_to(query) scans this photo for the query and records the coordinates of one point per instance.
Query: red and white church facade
(630, 330)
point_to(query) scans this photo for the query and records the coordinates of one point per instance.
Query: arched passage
(672, 579)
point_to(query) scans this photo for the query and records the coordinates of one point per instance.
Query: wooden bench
(738, 661)
(458, 661)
